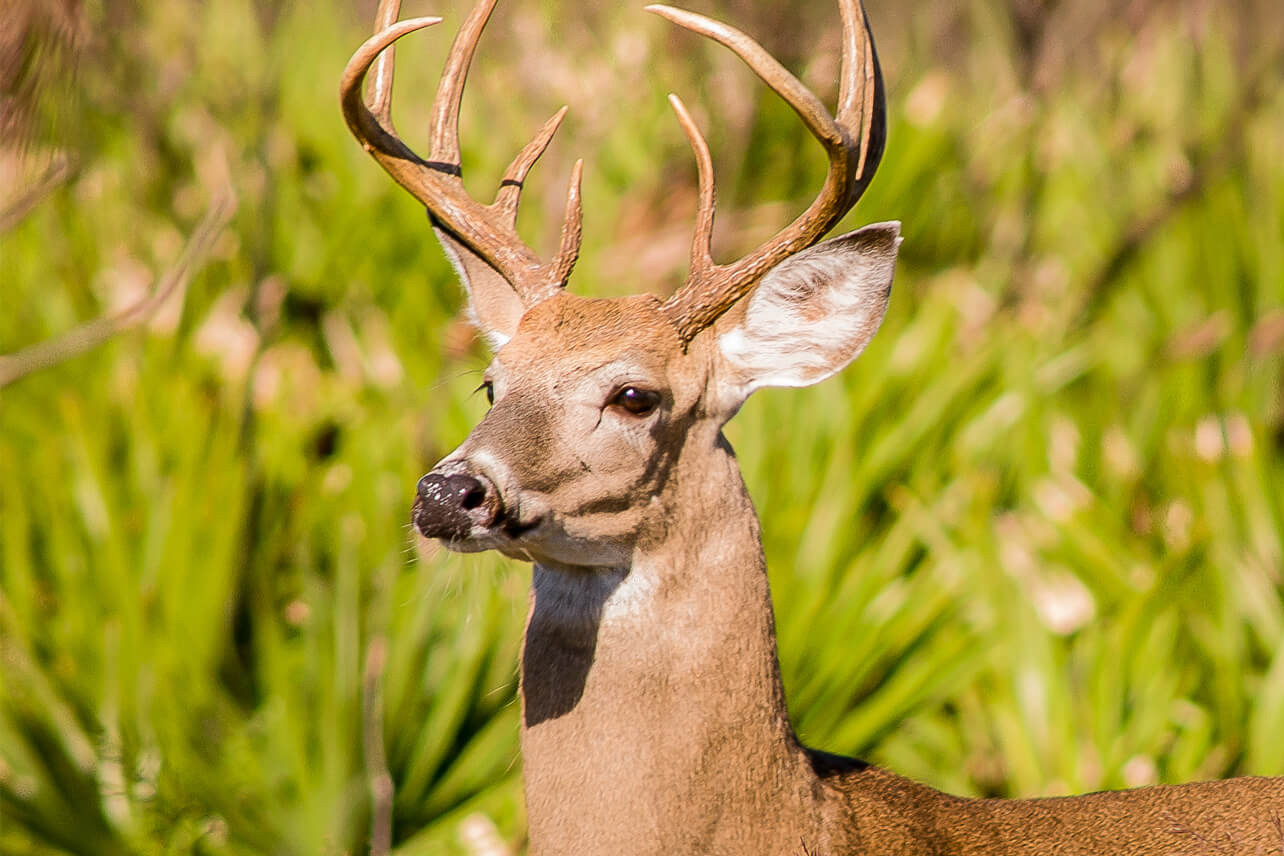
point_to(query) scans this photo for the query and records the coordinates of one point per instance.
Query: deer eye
(635, 400)
(490, 390)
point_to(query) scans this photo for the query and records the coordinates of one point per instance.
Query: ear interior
(493, 305)
(812, 314)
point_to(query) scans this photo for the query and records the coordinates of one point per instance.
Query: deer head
(596, 402)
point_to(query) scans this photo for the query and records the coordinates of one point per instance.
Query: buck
(653, 716)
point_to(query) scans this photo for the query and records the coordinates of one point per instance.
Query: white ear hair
(812, 314)
(493, 305)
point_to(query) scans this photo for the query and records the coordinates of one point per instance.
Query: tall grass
(1030, 543)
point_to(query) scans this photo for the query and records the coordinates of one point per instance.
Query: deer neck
(653, 710)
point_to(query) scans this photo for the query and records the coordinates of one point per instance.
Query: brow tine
(572, 230)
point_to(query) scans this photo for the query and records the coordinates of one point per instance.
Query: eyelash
(490, 391)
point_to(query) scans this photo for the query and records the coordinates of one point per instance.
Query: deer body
(654, 721)
(653, 714)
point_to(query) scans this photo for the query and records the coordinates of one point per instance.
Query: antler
(489, 231)
(853, 140)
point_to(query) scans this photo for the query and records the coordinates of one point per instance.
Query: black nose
(460, 489)
(450, 506)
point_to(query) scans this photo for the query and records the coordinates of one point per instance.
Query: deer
(653, 716)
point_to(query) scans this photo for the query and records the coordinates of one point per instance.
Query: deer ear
(810, 315)
(493, 305)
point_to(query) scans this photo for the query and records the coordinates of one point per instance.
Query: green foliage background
(1030, 543)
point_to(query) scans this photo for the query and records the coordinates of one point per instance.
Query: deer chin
(542, 540)
(558, 550)
(536, 543)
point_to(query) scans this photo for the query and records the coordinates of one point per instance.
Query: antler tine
(510, 194)
(572, 230)
(809, 108)
(487, 231)
(385, 17)
(510, 187)
(702, 240)
(444, 142)
(375, 136)
(853, 142)
(860, 95)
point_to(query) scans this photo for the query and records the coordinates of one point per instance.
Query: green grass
(1031, 542)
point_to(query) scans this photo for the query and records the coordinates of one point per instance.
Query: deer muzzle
(455, 506)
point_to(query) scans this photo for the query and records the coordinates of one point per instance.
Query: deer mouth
(516, 529)
(506, 536)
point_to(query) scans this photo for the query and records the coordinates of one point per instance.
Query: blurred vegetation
(1030, 543)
